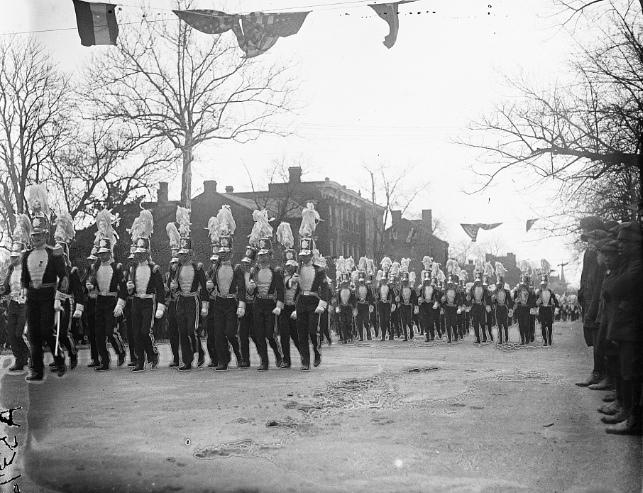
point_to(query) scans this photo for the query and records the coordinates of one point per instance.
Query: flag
(256, 32)
(472, 229)
(207, 21)
(96, 22)
(388, 12)
(259, 32)
(530, 223)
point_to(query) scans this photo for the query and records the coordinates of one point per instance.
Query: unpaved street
(376, 416)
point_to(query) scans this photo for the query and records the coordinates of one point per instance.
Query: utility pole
(562, 272)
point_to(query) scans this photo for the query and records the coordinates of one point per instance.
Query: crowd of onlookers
(611, 296)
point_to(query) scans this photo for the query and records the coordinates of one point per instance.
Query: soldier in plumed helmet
(547, 304)
(228, 282)
(90, 306)
(247, 322)
(524, 303)
(463, 317)
(502, 304)
(268, 287)
(384, 298)
(127, 311)
(346, 302)
(451, 300)
(42, 276)
(312, 290)
(188, 281)
(426, 300)
(171, 293)
(364, 300)
(146, 287)
(288, 316)
(479, 303)
(11, 288)
(107, 281)
(211, 294)
(489, 315)
(408, 299)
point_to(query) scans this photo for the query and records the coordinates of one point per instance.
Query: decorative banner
(530, 223)
(96, 22)
(388, 12)
(256, 32)
(472, 229)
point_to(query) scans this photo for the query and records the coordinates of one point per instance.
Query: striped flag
(96, 22)
(472, 229)
(207, 21)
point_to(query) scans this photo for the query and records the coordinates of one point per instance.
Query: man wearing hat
(186, 281)
(346, 306)
(42, 275)
(624, 297)
(451, 304)
(364, 300)
(247, 322)
(288, 316)
(479, 302)
(502, 303)
(89, 312)
(11, 288)
(547, 304)
(524, 302)
(426, 299)
(267, 284)
(145, 285)
(311, 301)
(127, 311)
(408, 300)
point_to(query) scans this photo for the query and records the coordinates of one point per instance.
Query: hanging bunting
(472, 229)
(96, 22)
(530, 223)
(256, 32)
(389, 12)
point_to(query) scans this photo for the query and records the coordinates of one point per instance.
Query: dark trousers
(287, 332)
(247, 332)
(478, 320)
(307, 327)
(90, 317)
(265, 330)
(187, 316)
(324, 326)
(426, 321)
(502, 318)
(362, 321)
(40, 320)
(384, 311)
(546, 316)
(524, 323)
(226, 329)
(211, 344)
(437, 322)
(142, 321)
(129, 329)
(489, 323)
(16, 319)
(461, 325)
(451, 322)
(396, 324)
(173, 330)
(346, 322)
(66, 338)
(374, 322)
(106, 328)
(406, 317)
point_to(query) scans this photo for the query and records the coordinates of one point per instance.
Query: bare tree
(34, 119)
(394, 189)
(587, 134)
(181, 88)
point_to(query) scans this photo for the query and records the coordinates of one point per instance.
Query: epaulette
(119, 266)
(155, 267)
(199, 266)
(74, 270)
(57, 252)
(279, 270)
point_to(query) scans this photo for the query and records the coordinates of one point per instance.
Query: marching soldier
(288, 316)
(247, 322)
(11, 288)
(385, 299)
(71, 298)
(346, 303)
(364, 300)
(488, 321)
(268, 286)
(229, 302)
(90, 307)
(502, 303)
(107, 281)
(211, 294)
(127, 313)
(394, 283)
(547, 305)
(479, 304)
(426, 300)
(524, 302)
(171, 293)
(188, 282)
(437, 280)
(312, 291)
(42, 275)
(146, 287)
(372, 288)
(451, 301)
(408, 299)
(463, 315)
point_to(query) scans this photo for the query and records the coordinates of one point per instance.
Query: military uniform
(16, 311)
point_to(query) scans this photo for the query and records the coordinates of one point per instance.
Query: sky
(364, 104)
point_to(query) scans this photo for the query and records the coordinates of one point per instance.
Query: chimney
(427, 219)
(209, 187)
(162, 195)
(396, 217)
(229, 189)
(294, 174)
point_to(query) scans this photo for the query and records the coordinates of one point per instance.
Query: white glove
(89, 286)
(58, 306)
(77, 314)
(118, 311)
(320, 310)
(209, 285)
(241, 311)
(459, 311)
(416, 310)
(337, 309)
(441, 311)
(435, 305)
(488, 309)
(371, 308)
(556, 311)
(277, 311)
(511, 313)
(393, 307)
(293, 315)
(160, 309)
(251, 286)
(420, 300)
(204, 309)
(130, 287)
(354, 313)
(174, 285)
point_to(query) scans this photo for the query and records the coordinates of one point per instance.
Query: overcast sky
(365, 103)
